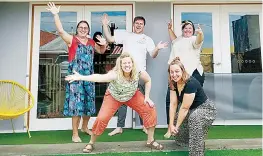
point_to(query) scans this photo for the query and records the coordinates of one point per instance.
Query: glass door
(49, 67)
(242, 29)
(120, 19)
(231, 58)
(211, 58)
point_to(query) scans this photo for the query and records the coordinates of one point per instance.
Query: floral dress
(80, 95)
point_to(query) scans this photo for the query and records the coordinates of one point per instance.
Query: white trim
(65, 124)
(123, 1)
(222, 122)
(28, 56)
(11, 131)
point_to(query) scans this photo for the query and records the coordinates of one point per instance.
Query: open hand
(162, 45)
(52, 8)
(105, 19)
(199, 30)
(102, 40)
(75, 77)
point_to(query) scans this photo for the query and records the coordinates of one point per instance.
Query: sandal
(152, 146)
(88, 150)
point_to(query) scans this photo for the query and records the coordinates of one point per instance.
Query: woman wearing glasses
(188, 48)
(80, 95)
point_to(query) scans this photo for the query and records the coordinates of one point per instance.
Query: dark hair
(94, 36)
(139, 18)
(188, 22)
(80, 23)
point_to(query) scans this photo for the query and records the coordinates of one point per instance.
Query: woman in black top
(196, 113)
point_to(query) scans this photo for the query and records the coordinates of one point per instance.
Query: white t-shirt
(137, 45)
(188, 52)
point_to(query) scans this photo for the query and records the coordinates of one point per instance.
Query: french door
(231, 56)
(50, 61)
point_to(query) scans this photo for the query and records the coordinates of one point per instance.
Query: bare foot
(167, 134)
(87, 131)
(76, 139)
(144, 130)
(118, 130)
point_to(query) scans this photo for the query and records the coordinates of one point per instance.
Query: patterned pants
(194, 128)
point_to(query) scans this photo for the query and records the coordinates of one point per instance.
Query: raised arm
(64, 35)
(170, 31)
(92, 78)
(200, 35)
(105, 21)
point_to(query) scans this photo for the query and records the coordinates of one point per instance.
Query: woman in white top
(123, 89)
(188, 48)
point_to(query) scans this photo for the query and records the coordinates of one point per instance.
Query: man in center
(137, 44)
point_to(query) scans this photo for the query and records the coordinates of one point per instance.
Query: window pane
(104, 63)
(245, 43)
(204, 19)
(53, 64)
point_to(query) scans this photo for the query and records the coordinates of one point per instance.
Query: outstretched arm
(105, 21)
(92, 78)
(64, 35)
(154, 50)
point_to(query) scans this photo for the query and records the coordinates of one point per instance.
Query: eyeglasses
(83, 28)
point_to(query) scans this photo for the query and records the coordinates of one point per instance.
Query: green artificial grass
(60, 137)
(257, 152)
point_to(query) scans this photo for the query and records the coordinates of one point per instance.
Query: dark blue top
(192, 86)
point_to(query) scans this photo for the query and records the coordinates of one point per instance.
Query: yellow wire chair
(15, 100)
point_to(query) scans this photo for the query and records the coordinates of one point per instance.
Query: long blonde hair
(185, 75)
(118, 69)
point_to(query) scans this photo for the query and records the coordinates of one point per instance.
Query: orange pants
(110, 106)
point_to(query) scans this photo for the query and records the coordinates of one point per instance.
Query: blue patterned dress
(80, 95)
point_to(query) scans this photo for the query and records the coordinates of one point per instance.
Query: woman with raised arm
(196, 114)
(80, 96)
(123, 89)
(188, 48)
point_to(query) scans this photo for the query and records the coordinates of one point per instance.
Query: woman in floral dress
(80, 96)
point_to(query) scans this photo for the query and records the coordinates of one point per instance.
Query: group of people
(130, 84)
